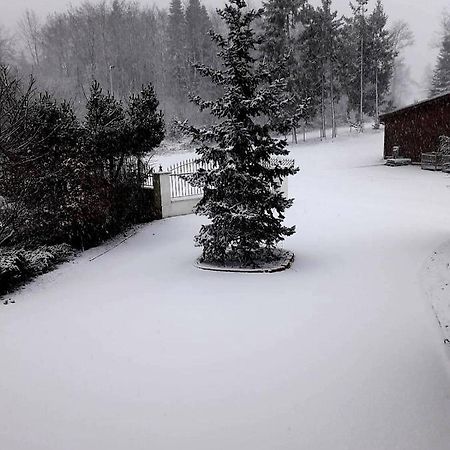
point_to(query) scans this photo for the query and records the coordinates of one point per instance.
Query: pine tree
(199, 48)
(208, 49)
(334, 39)
(380, 55)
(241, 190)
(327, 30)
(195, 30)
(177, 54)
(281, 24)
(308, 79)
(441, 76)
(282, 27)
(353, 74)
(145, 121)
(106, 129)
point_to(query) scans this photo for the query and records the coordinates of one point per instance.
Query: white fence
(175, 196)
(179, 186)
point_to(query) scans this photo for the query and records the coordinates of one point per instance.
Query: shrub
(66, 181)
(19, 265)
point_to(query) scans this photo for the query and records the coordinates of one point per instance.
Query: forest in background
(343, 67)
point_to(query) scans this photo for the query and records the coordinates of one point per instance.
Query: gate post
(284, 186)
(161, 185)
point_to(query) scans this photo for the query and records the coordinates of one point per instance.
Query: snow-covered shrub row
(66, 180)
(19, 265)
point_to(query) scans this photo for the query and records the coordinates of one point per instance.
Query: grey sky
(423, 17)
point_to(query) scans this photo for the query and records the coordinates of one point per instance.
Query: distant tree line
(347, 67)
(332, 58)
(123, 46)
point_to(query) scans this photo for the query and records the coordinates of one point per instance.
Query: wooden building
(416, 128)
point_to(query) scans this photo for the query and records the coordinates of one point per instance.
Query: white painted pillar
(161, 184)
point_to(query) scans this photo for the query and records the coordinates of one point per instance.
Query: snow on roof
(415, 105)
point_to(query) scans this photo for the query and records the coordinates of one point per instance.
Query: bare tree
(6, 48)
(13, 113)
(402, 38)
(14, 101)
(30, 30)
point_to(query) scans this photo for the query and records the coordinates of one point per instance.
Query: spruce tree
(145, 121)
(281, 23)
(380, 57)
(282, 27)
(354, 71)
(199, 48)
(195, 30)
(106, 129)
(176, 54)
(441, 76)
(322, 40)
(146, 127)
(308, 77)
(241, 186)
(332, 36)
(209, 49)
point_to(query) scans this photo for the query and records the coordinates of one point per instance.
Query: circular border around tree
(283, 261)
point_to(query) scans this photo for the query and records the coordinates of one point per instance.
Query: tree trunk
(333, 111)
(361, 87)
(323, 133)
(377, 100)
(361, 104)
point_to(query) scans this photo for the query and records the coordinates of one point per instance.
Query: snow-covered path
(139, 350)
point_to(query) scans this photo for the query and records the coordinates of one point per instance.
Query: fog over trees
(440, 83)
(345, 67)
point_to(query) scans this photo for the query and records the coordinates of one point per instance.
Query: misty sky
(423, 17)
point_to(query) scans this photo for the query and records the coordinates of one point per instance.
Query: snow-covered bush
(69, 181)
(44, 258)
(19, 265)
(13, 269)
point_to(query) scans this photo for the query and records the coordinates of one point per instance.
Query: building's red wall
(417, 130)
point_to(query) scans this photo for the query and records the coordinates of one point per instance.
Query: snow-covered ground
(436, 284)
(139, 350)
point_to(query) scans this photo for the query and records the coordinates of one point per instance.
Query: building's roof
(439, 98)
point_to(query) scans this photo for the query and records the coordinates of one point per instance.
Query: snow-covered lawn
(139, 350)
